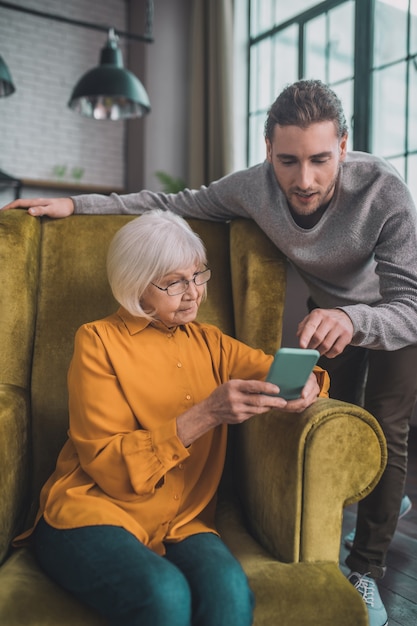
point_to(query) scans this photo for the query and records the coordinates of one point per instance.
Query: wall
(167, 81)
(38, 133)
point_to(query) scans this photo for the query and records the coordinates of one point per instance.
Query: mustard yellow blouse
(123, 463)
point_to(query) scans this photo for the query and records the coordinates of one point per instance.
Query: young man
(349, 225)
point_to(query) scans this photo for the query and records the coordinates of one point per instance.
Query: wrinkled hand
(235, 402)
(52, 207)
(309, 395)
(327, 330)
(238, 400)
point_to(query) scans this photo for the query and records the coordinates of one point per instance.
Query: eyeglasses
(181, 286)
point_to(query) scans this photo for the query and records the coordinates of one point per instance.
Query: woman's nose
(192, 288)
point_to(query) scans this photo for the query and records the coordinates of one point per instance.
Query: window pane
(412, 107)
(345, 92)
(390, 40)
(413, 31)
(315, 48)
(253, 78)
(399, 165)
(285, 59)
(261, 84)
(261, 16)
(256, 139)
(389, 96)
(341, 43)
(285, 10)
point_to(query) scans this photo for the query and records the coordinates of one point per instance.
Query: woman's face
(174, 310)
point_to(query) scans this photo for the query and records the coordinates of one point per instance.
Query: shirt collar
(136, 324)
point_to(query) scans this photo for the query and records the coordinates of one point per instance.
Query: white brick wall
(46, 58)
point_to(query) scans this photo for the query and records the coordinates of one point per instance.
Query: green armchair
(287, 477)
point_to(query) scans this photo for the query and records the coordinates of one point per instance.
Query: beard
(305, 202)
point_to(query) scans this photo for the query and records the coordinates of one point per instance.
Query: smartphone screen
(290, 370)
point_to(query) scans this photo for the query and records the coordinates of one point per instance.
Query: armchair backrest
(53, 279)
(72, 290)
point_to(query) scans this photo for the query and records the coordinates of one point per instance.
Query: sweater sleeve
(232, 196)
(391, 323)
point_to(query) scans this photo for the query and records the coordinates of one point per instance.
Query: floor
(398, 588)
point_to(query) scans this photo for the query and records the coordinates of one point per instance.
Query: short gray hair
(146, 249)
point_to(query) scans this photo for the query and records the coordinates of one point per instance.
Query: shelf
(69, 186)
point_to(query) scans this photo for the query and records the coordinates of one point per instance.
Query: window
(343, 43)
(394, 86)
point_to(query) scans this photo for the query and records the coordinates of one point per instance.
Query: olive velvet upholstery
(287, 477)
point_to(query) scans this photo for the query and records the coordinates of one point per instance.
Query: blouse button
(176, 497)
(175, 457)
(188, 397)
(179, 364)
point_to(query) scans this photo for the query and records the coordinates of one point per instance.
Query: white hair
(145, 250)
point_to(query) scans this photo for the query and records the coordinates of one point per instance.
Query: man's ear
(343, 146)
(268, 150)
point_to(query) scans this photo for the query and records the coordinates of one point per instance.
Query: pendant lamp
(109, 91)
(6, 83)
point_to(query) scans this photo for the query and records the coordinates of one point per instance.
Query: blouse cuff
(149, 455)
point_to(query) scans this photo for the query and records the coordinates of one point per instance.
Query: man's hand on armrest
(52, 207)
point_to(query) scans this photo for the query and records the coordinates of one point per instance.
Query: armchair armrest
(299, 471)
(14, 462)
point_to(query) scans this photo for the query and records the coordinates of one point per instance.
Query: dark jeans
(389, 393)
(198, 582)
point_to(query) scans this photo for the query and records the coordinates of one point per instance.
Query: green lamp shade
(6, 83)
(109, 91)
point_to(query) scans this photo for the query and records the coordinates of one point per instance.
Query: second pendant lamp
(109, 91)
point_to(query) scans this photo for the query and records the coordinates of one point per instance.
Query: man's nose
(305, 176)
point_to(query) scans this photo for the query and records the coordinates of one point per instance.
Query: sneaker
(405, 508)
(369, 591)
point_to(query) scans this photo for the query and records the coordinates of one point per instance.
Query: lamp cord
(149, 19)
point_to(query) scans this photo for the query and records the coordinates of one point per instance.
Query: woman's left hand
(309, 395)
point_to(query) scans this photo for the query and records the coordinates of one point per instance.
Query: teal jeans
(197, 583)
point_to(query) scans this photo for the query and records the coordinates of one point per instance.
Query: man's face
(306, 164)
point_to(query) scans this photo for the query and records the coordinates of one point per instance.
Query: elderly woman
(126, 522)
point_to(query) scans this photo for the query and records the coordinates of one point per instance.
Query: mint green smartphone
(290, 370)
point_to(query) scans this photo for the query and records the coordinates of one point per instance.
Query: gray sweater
(360, 257)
